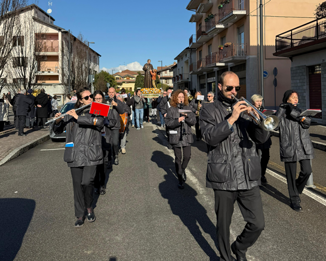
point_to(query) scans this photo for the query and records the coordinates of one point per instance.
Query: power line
(258, 7)
(285, 16)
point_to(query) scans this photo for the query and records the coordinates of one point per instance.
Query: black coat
(86, 136)
(183, 137)
(42, 99)
(32, 111)
(164, 105)
(268, 143)
(295, 142)
(23, 105)
(233, 163)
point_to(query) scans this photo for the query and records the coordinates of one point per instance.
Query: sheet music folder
(100, 109)
(310, 112)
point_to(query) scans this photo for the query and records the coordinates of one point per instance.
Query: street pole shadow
(184, 204)
(273, 192)
(14, 224)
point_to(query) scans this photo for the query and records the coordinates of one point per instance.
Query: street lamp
(161, 70)
(88, 70)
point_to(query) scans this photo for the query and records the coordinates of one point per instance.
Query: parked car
(67, 107)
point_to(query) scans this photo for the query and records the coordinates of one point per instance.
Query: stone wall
(299, 80)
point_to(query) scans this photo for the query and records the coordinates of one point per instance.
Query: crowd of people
(237, 149)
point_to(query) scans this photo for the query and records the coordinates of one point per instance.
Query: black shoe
(21, 134)
(91, 217)
(116, 161)
(296, 207)
(263, 180)
(102, 191)
(79, 223)
(109, 166)
(239, 256)
(180, 186)
(97, 191)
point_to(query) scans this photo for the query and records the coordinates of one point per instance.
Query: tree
(139, 81)
(101, 80)
(163, 86)
(321, 11)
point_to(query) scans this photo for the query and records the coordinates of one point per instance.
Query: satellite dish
(49, 11)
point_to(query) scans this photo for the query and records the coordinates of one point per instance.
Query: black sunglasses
(230, 88)
(87, 97)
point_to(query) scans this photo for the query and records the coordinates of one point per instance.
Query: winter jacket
(268, 143)
(295, 142)
(4, 110)
(164, 105)
(42, 99)
(233, 163)
(85, 134)
(32, 110)
(139, 102)
(114, 113)
(23, 104)
(180, 134)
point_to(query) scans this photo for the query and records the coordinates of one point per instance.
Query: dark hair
(100, 93)
(79, 97)
(123, 90)
(42, 90)
(69, 96)
(174, 98)
(55, 97)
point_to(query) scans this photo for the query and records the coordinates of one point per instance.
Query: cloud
(135, 66)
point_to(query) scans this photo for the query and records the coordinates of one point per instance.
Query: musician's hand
(200, 105)
(184, 114)
(164, 115)
(181, 119)
(56, 116)
(251, 110)
(73, 114)
(114, 103)
(39, 106)
(237, 109)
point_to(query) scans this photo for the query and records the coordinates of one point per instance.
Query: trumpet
(268, 123)
(62, 115)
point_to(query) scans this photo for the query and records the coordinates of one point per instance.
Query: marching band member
(83, 153)
(210, 97)
(262, 149)
(180, 136)
(295, 146)
(233, 169)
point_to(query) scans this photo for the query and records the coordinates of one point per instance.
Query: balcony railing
(233, 50)
(211, 23)
(201, 31)
(300, 35)
(200, 64)
(230, 6)
(53, 68)
(47, 46)
(212, 59)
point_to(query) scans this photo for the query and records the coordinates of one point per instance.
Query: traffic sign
(265, 74)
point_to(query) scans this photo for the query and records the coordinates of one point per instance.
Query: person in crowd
(41, 102)
(14, 108)
(164, 105)
(295, 146)
(190, 98)
(83, 153)
(49, 106)
(196, 105)
(210, 97)
(146, 110)
(68, 98)
(124, 129)
(31, 115)
(180, 136)
(9, 98)
(112, 131)
(139, 108)
(154, 109)
(159, 99)
(133, 112)
(23, 106)
(233, 167)
(4, 112)
(262, 149)
(54, 105)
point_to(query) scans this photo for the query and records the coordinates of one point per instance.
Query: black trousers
(296, 186)
(115, 143)
(181, 163)
(100, 174)
(21, 124)
(198, 133)
(2, 124)
(250, 205)
(264, 159)
(83, 184)
(41, 122)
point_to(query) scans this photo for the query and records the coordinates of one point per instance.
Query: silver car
(67, 107)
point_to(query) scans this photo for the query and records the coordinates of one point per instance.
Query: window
(18, 41)
(316, 69)
(210, 49)
(223, 40)
(241, 4)
(241, 35)
(19, 61)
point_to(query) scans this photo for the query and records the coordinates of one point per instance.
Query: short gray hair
(212, 93)
(256, 97)
(22, 92)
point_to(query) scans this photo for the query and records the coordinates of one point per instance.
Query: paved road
(143, 216)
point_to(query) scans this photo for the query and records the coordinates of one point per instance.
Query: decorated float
(150, 92)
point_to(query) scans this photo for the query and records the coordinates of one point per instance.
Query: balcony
(184, 77)
(44, 69)
(200, 65)
(302, 39)
(193, 4)
(202, 36)
(203, 8)
(231, 11)
(195, 18)
(213, 60)
(233, 53)
(47, 46)
(212, 26)
(47, 79)
(193, 42)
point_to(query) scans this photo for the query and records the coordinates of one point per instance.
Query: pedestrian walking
(159, 99)
(196, 105)
(139, 109)
(180, 136)
(31, 115)
(83, 153)
(233, 166)
(164, 105)
(41, 102)
(295, 146)
(124, 129)
(4, 112)
(23, 107)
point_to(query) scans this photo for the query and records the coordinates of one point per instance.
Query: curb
(24, 148)
(316, 144)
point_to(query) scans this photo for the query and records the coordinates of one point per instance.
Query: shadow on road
(273, 192)
(14, 224)
(184, 204)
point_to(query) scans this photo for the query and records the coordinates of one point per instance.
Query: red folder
(100, 109)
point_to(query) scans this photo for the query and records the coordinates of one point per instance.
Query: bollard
(310, 181)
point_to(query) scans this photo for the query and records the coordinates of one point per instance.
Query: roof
(165, 68)
(34, 6)
(127, 72)
(183, 52)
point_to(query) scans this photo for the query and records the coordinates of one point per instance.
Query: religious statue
(148, 78)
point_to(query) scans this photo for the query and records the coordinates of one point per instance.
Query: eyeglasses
(87, 97)
(230, 88)
(209, 96)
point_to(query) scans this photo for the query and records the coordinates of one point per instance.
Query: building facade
(166, 74)
(227, 38)
(127, 79)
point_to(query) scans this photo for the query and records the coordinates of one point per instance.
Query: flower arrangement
(220, 47)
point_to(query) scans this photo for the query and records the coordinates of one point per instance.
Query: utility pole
(69, 61)
(261, 55)
(161, 71)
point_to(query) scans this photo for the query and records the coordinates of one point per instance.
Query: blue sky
(127, 31)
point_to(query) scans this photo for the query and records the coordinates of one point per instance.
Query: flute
(62, 115)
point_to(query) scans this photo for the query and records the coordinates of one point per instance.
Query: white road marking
(319, 199)
(52, 149)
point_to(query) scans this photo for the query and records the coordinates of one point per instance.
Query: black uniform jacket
(233, 163)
